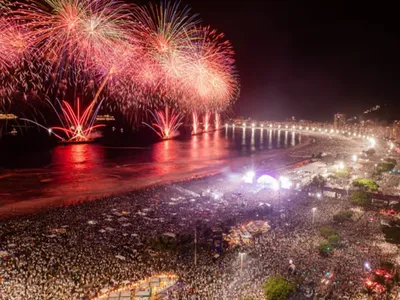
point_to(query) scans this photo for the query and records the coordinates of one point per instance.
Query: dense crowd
(74, 252)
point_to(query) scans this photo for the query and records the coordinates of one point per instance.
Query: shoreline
(39, 205)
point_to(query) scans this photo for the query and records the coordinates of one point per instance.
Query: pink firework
(196, 123)
(206, 121)
(76, 33)
(166, 124)
(166, 32)
(76, 126)
(13, 44)
(210, 77)
(217, 121)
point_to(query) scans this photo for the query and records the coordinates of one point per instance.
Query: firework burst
(74, 35)
(217, 121)
(210, 76)
(166, 124)
(141, 57)
(13, 44)
(75, 126)
(166, 32)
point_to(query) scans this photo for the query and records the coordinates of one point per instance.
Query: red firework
(166, 124)
(210, 78)
(143, 57)
(76, 32)
(196, 123)
(75, 126)
(13, 43)
(166, 32)
(206, 121)
(217, 121)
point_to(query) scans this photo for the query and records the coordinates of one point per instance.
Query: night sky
(309, 59)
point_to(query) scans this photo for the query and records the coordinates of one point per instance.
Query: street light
(367, 267)
(313, 214)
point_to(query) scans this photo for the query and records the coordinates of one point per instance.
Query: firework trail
(206, 121)
(196, 123)
(217, 121)
(75, 32)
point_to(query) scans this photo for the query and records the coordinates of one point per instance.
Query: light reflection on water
(76, 172)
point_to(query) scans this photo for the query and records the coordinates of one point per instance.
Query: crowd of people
(74, 252)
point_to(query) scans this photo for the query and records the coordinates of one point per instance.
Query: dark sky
(309, 59)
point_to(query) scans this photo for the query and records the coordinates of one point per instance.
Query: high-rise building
(339, 120)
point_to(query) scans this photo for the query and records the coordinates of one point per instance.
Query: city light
(372, 142)
(354, 158)
(249, 176)
(367, 266)
(285, 182)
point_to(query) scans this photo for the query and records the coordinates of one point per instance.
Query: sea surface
(67, 174)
